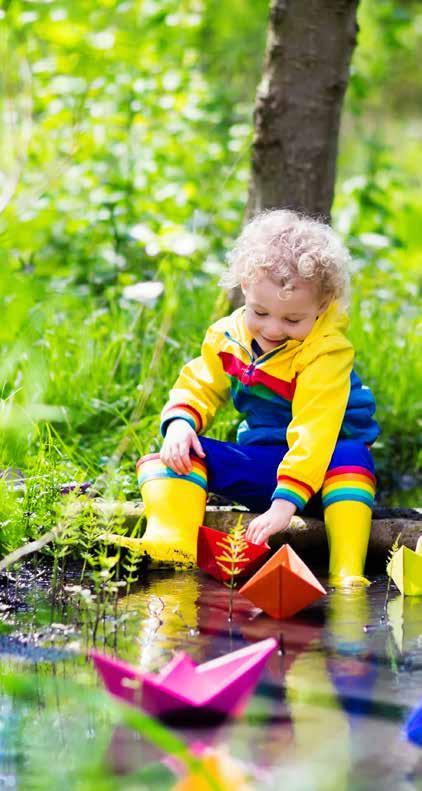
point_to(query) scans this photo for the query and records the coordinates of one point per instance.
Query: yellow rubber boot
(174, 507)
(348, 524)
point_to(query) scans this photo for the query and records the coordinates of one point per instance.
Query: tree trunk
(298, 106)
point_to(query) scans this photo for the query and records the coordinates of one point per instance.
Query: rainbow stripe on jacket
(151, 467)
(292, 490)
(184, 412)
(348, 483)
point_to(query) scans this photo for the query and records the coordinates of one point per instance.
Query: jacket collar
(333, 319)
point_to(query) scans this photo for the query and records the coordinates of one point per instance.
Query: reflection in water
(168, 611)
(308, 700)
(325, 690)
(214, 621)
(294, 636)
(274, 738)
(405, 619)
(350, 666)
(328, 713)
(347, 615)
(222, 768)
(128, 751)
(319, 757)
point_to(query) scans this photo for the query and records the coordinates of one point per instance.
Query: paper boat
(413, 726)
(283, 585)
(405, 568)
(213, 544)
(184, 692)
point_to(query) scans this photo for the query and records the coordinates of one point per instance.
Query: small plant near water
(232, 559)
(102, 577)
(392, 551)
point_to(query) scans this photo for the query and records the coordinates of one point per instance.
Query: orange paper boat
(213, 546)
(283, 585)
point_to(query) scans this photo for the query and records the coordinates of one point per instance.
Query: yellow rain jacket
(305, 393)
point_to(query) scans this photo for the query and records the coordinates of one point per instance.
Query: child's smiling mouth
(274, 343)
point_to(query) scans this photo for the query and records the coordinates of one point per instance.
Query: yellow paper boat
(405, 568)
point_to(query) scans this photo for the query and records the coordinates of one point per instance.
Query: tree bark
(298, 105)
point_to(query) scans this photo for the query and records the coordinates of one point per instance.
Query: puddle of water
(327, 714)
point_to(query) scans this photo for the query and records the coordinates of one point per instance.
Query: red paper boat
(213, 544)
(283, 585)
(185, 692)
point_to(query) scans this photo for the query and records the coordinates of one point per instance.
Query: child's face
(272, 320)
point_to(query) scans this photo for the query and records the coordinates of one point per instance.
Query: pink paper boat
(184, 692)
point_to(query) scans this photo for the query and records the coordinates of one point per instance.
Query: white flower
(142, 233)
(375, 240)
(102, 40)
(181, 242)
(146, 293)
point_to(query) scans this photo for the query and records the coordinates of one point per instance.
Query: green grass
(84, 380)
(137, 169)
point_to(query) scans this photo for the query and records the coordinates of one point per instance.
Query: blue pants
(247, 474)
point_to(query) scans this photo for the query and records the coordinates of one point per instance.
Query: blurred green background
(124, 157)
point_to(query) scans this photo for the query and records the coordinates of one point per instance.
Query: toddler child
(307, 422)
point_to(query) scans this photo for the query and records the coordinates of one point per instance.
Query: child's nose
(275, 331)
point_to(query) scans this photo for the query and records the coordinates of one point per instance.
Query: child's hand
(175, 452)
(272, 521)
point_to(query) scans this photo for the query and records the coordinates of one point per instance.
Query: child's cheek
(250, 323)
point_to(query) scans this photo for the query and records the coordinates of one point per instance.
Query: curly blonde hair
(285, 245)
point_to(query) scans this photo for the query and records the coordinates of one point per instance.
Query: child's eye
(260, 314)
(293, 321)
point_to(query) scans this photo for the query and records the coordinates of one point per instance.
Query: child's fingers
(258, 531)
(165, 457)
(196, 445)
(262, 536)
(169, 459)
(185, 458)
(170, 464)
(176, 466)
(254, 530)
(181, 459)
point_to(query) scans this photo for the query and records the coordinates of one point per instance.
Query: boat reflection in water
(330, 706)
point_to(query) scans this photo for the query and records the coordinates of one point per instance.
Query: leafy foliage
(124, 156)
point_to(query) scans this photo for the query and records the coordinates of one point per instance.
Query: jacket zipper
(227, 335)
(254, 362)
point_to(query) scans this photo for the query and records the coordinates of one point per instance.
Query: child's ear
(243, 286)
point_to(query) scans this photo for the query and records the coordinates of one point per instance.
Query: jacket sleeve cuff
(296, 492)
(180, 412)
